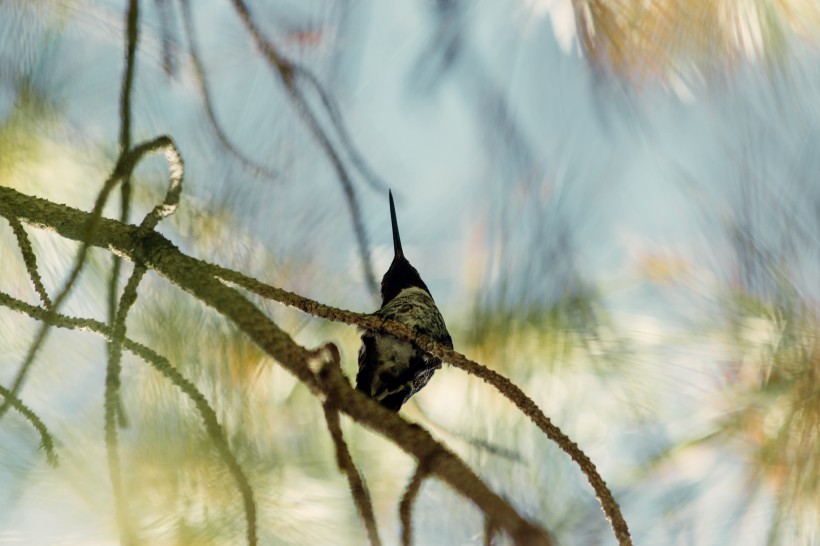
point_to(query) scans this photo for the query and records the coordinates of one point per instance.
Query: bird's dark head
(401, 274)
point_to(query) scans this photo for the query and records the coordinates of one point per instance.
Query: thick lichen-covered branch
(506, 387)
(86, 231)
(195, 277)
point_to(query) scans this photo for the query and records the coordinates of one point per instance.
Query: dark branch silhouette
(407, 501)
(202, 82)
(489, 531)
(361, 496)
(288, 73)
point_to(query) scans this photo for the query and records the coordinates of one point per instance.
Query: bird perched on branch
(392, 370)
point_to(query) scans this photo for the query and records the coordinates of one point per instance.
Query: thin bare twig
(347, 187)
(373, 179)
(287, 71)
(166, 17)
(199, 74)
(474, 442)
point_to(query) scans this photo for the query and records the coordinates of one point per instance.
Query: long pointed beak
(396, 239)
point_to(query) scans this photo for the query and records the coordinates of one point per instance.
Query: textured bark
(196, 277)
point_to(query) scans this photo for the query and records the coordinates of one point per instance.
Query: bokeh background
(614, 203)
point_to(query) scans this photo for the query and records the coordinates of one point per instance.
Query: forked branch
(195, 277)
(503, 385)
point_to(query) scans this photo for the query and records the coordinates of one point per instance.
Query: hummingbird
(391, 370)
